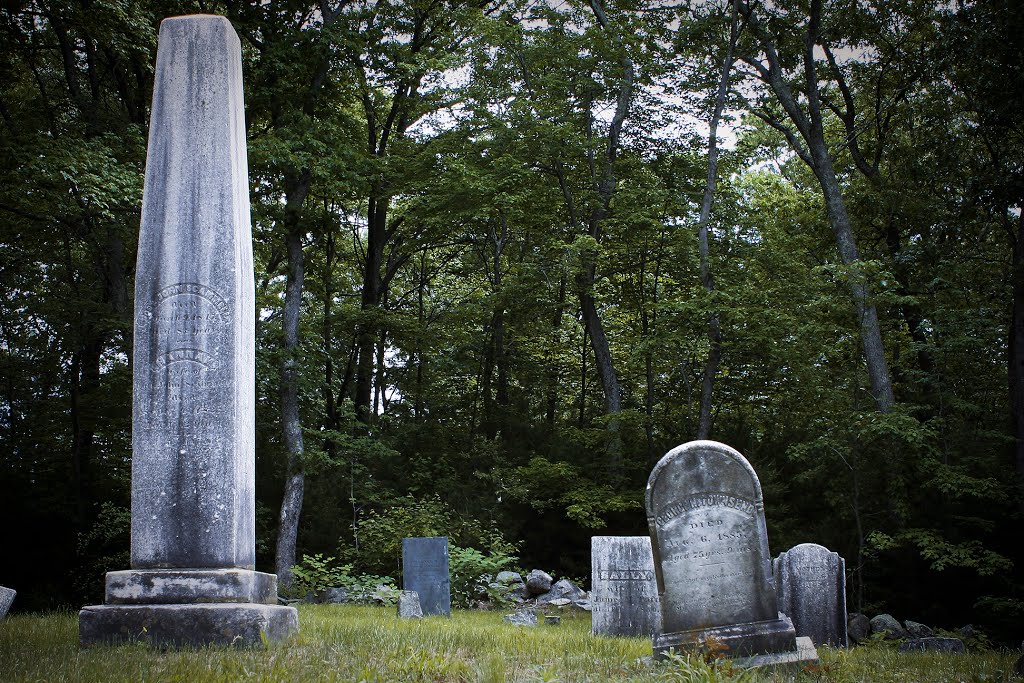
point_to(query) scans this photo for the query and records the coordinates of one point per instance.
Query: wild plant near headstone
(472, 573)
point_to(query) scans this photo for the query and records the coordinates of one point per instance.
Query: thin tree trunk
(706, 277)
(808, 141)
(295, 476)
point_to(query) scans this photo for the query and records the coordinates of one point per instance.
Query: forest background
(503, 265)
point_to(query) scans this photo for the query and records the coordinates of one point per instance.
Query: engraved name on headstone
(811, 584)
(624, 595)
(425, 570)
(193, 420)
(710, 544)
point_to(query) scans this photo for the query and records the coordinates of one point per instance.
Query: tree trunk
(295, 476)
(376, 237)
(707, 279)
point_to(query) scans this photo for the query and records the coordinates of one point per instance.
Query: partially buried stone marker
(425, 570)
(711, 559)
(624, 595)
(193, 423)
(811, 584)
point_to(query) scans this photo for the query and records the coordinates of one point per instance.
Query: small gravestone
(6, 599)
(409, 605)
(711, 559)
(193, 540)
(624, 591)
(526, 617)
(811, 584)
(425, 570)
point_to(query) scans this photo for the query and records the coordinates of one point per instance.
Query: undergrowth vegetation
(360, 643)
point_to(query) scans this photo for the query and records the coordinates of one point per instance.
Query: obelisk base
(188, 607)
(772, 637)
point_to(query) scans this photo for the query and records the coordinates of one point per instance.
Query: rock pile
(913, 636)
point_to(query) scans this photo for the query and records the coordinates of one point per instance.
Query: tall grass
(350, 643)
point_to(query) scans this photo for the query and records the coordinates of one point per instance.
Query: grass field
(351, 643)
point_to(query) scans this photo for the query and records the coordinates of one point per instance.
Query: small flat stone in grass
(954, 645)
(552, 620)
(526, 617)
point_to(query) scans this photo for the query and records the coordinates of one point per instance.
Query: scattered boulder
(6, 599)
(333, 596)
(918, 630)
(409, 605)
(885, 623)
(538, 582)
(562, 589)
(518, 592)
(557, 602)
(508, 578)
(552, 620)
(954, 645)
(858, 627)
(968, 632)
(526, 617)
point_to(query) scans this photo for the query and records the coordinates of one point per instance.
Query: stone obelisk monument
(192, 578)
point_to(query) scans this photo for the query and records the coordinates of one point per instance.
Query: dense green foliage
(353, 643)
(502, 322)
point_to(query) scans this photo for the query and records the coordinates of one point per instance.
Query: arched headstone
(811, 584)
(711, 558)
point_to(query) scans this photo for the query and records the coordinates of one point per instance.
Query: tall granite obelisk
(192, 578)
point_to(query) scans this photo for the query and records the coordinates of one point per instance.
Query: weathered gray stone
(518, 592)
(6, 599)
(425, 570)
(557, 602)
(333, 596)
(811, 584)
(193, 421)
(177, 586)
(953, 645)
(508, 578)
(526, 617)
(562, 589)
(624, 591)
(538, 582)
(917, 630)
(243, 625)
(552, 620)
(887, 624)
(711, 559)
(409, 605)
(858, 627)
(804, 655)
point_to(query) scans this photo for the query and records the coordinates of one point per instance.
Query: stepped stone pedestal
(192, 578)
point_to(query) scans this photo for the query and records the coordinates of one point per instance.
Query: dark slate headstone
(425, 570)
(811, 584)
(711, 559)
(193, 543)
(624, 591)
(6, 600)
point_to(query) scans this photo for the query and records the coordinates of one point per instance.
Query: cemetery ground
(359, 643)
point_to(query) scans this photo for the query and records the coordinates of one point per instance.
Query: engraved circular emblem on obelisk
(187, 319)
